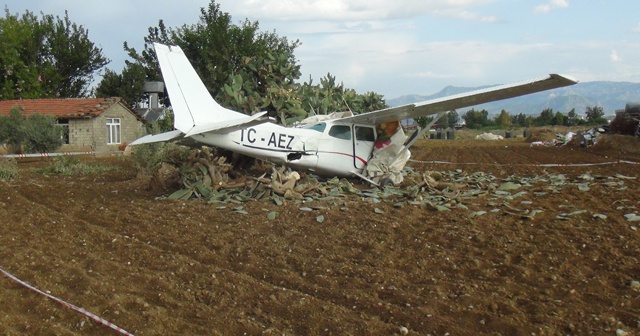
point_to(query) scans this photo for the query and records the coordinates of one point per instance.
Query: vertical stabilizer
(191, 101)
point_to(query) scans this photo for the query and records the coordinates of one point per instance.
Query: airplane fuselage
(327, 148)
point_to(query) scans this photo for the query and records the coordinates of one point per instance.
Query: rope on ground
(68, 305)
(531, 165)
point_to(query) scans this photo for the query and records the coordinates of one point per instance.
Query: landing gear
(385, 182)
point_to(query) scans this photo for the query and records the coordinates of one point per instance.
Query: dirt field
(164, 267)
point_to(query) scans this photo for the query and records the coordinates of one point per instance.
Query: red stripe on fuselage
(364, 162)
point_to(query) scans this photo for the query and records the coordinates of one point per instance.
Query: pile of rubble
(584, 139)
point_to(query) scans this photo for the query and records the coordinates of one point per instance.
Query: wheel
(385, 182)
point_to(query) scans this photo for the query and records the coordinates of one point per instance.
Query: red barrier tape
(533, 165)
(68, 305)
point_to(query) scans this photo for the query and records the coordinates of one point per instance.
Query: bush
(148, 157)
(34, 134)
(71, 166)
(8, 169)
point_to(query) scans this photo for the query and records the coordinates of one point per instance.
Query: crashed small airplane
(370, 145)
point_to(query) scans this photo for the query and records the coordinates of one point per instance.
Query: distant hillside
(610, 95)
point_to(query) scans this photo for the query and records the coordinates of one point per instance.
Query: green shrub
(71, 166)
(8, 169)
(34, 134)
(147, 157)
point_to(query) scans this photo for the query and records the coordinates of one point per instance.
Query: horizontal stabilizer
(160, 137)
(227, 126)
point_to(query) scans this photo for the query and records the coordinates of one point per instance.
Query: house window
(64, 123)
(113, 131)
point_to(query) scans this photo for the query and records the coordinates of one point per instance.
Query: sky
(399, 47)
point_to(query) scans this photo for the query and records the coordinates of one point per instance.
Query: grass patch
(8, 169)
(72, 166)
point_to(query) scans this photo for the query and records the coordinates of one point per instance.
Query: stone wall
(91, 134)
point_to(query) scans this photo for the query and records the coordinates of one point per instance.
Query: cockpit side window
(340, 132)
(365, 134)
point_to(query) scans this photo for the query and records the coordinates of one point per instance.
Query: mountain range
(611, 96)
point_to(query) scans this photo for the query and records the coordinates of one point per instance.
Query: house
(101, 125)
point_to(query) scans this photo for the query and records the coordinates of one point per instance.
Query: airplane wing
(466, 99)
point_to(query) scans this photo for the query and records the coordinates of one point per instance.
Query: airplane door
(364, 139)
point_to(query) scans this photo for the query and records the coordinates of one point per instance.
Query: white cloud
(354, 10)
(466, 15)
(636, 29)
(614, 56)
(552, 4)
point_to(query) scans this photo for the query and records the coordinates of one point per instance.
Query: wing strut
(417, 135)
(421, 131)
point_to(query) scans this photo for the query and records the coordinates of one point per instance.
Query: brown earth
(164, 267)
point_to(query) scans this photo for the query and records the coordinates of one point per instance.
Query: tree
(423, 121)
(46, 57)
(520, 119)
(243, 68)
(41, 134)
(503, 120)
(572, 118)
(545, 117)
(127, 85)
(11, 132)
(560, 119)
(477, 119)
(595, 115)
(36, 133)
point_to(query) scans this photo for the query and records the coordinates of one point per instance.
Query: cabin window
(64, 124)
(319, 127)
(340, 132)
(365, 134)
(113, 131)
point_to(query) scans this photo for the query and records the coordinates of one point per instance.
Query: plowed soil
(164, 267)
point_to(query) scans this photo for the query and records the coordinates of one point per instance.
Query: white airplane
(342, 147)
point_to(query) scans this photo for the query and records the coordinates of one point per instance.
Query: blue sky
(404, 46)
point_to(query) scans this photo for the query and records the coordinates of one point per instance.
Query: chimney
(153, 89)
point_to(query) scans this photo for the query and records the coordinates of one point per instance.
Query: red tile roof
(70, 108)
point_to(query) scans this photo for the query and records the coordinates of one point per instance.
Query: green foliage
(11, 131)
(477, 119)
(503, 120)
(34, 134)
(545, 117)
(164, 124)
(329, 96)
(148, 157)
(244, 69)
(423, 121)
(448, 120)
(572, 118)
(72, 166)
(594, 115)
(48, 57)
(452, 118)
(128, 85)
(8, 169)
(521, 120)
(41, 134)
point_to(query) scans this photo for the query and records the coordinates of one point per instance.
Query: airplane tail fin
(195, 111)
